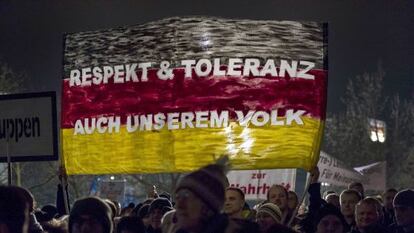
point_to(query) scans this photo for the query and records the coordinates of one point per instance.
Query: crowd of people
(204, 203)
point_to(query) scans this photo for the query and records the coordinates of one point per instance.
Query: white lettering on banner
(119, 73)
(261, 118)
(101, 125)
(235, 67)
(182, 120)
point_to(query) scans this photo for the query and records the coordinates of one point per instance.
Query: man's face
(348, 202)
(292, 200)
(388, 198)
(330, 224)
(278, 197)
(366, 215)
(87, 224)
(155, 218)
(189, 210)
(404, 215)
(234, 203)
(333, 199)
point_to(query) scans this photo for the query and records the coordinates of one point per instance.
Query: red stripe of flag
(195, 94)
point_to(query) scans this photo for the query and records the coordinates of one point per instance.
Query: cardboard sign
(176, 94)
(256, 183)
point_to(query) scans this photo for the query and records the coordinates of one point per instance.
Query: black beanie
(143, 211)
(94, 207)
(329, 209)
(208, 183)
(160, 203)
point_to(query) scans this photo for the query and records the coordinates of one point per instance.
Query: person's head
(278, 195)
(166, 196)
(388, 197)
(358, 187)
(50, 210)
(329, 219)
(143, 214)
(404, 207)
(234, 202)
(28, 197)
(326, 193)
(348, 199)
(14, 210)
(127, 210)
(90, 215)
(157, 209)
(292, 200)
(130, 224)
(199, 196)
(333, 199)
(366, 213)
(267, 215)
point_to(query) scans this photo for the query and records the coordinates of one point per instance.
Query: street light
(377, 130)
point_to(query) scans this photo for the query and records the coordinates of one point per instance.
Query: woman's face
(292, 200)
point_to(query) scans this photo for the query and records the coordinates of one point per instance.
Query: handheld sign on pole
(175, 94)
(28, 128)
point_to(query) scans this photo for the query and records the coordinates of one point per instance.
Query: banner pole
(305, 192)
(63, 177)
(9, 168)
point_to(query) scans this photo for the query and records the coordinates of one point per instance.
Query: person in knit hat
(404, 210)
(199, 199)
(90, 215)
(156, 211)
(278, 195)
(329, 219)
(268, 215)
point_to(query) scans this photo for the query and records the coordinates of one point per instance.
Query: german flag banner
(178, 93)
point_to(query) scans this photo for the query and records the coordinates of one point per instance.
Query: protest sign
(28, 127)
(334, 172)
(256, 183)
(374, 176)
(176, 94)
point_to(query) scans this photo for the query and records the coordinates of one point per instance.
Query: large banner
(28, 127)
(176, 94)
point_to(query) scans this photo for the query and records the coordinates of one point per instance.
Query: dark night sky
(360, 33)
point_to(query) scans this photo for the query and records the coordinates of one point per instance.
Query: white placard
(256, 183)
(28, 127)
